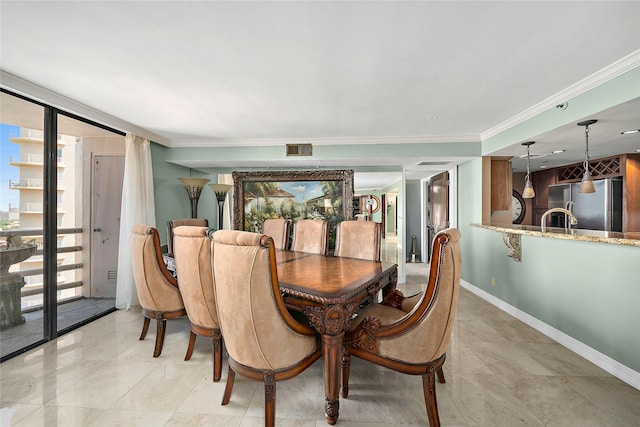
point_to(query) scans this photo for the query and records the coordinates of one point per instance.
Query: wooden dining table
(329, 290)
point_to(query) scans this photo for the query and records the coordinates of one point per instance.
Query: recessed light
(558, 151)
(543, 166)
(630, 131)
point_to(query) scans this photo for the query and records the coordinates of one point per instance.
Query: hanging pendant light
(586, 186)
(528, 192)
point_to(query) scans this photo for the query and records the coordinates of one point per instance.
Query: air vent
(299, 149)
(112, 274)
(432, 163)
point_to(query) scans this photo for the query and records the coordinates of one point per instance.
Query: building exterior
(30, 163)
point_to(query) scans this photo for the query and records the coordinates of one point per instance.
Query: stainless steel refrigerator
(601, 210)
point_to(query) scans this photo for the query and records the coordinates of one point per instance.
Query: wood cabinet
(541, 181)
(501, 182)
(630, 192)
(496, 190)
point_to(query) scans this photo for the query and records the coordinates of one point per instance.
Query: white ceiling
(236, 73)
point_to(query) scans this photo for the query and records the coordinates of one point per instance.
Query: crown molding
(606, 74)
(195, 143)
(38, 93)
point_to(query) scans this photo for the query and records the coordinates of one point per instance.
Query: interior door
(108, 174)
(438, 204)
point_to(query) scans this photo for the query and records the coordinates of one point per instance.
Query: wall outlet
(493, 280)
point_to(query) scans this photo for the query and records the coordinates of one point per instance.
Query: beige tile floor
(499, 372)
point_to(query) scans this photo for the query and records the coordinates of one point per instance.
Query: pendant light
(528, 192)
(586, 186)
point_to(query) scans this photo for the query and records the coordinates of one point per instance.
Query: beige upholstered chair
(192, 248)
(310, 235)
(172, 224)
(278, 230)
(263, 341)
(157, 290)
(358, 239)
(412, 342)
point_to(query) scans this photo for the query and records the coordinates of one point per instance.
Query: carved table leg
(331, 353)
(331, 322)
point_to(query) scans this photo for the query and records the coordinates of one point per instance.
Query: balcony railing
(35, 287)
(36, 208)
(32, 159)
(23, 183)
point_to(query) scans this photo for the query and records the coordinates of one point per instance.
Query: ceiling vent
(299, 149)
(432, 163)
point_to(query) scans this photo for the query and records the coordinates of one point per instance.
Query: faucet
(568, 213)
(568, 205)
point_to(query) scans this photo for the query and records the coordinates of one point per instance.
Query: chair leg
(269, 401)
(192, 342)
(145, 328)
(346, 365)
(440, 374)
(217, 358)
(429, 387)
(231, 376)
(161, 326)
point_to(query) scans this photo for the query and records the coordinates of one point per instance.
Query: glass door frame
(50, 225)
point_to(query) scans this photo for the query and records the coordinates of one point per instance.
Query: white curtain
(138, 207)
(227, 220)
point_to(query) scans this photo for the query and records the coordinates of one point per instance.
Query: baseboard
(603, 361)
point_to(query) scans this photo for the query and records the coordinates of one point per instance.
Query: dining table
(330, 290)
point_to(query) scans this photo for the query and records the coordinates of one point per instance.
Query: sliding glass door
(62, 197)
(21, 224)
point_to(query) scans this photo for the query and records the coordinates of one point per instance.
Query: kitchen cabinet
(541, 181)
(496, 190)
(501, 182)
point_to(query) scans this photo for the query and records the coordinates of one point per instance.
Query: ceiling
(206, 73)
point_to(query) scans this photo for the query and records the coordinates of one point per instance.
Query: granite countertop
(612, 237)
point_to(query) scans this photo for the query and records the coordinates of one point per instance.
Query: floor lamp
(194, 187)
(221, 191)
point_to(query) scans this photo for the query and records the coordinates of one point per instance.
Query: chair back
(157, 289)
(259, 331)
(172, 224)
(358, 239)
(426, 330)
(278, 230)
(310, 235)
(192, 248)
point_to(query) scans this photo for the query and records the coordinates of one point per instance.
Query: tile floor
(499, 372)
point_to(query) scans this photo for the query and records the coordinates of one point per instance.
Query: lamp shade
(528, 192)
(586, 186)
(220, 190)
(194, 182)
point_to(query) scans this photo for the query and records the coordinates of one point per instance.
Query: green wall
(589, 291)
(172, 201)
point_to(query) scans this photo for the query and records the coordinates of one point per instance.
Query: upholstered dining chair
(412, 342)
(310, 235)
(173, 223)
(263, 341)
(278, 230)
(158, 291)
(358, 239)
(195, 279)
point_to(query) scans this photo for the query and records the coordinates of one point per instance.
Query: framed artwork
(294, 195)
